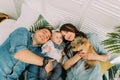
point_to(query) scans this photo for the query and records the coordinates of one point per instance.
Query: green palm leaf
(112, 44)
(41, 22)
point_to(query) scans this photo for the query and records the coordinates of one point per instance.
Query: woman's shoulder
(92, 35)
(93, 38)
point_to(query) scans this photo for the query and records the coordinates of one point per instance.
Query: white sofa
(85, 14)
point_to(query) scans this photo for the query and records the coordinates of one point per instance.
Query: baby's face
(57, 38)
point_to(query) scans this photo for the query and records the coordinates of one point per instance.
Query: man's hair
(46, 28)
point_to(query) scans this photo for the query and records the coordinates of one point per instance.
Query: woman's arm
(99, 52)
(102, 57)
(89, 56)
(70, 62)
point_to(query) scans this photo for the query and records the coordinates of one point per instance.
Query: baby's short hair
(53, 31)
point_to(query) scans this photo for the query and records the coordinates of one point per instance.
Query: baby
(53, 49)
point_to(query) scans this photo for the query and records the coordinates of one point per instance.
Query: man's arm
(29, 57)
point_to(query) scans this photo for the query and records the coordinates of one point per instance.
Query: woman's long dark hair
(71, 28)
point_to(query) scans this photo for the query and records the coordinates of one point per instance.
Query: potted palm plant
(112, 44)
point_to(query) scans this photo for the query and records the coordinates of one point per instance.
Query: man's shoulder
(21, 29)
(93, 38)
(92, 35)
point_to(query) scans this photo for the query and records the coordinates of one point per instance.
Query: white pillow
(6, 27)
(58, 15)
(53, 15)
(35, 4)
(31, 9)
(27, 17)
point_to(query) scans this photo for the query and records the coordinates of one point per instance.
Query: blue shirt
(78, 72)
(20, 39)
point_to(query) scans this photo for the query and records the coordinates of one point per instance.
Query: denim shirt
(78, 72)
(20, 39)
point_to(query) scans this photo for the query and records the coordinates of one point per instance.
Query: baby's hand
(48, 48)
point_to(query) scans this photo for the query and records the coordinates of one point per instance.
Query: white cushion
(27, 17)
(35, 4)
(31, 9)
(58, 15)
(53, 15)
(6, 27)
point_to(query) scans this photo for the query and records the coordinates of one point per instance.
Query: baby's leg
(56, 73)
(42, 73)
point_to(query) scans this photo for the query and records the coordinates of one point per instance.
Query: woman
(73, 62)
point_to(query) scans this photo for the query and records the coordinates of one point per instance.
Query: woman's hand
(72, 61)
(91, 56)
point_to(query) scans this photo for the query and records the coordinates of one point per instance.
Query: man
(21, 49)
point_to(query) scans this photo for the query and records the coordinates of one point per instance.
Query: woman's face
(69, 36)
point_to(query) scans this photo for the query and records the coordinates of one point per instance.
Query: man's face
(41, 36)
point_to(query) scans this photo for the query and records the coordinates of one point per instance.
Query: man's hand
(49, 66)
